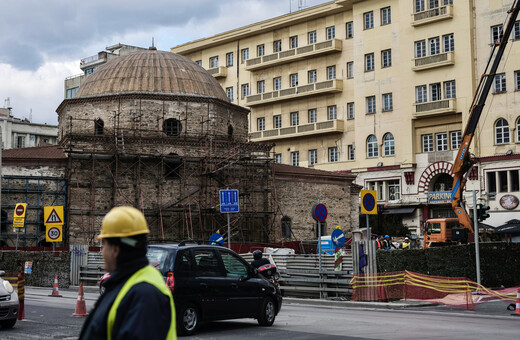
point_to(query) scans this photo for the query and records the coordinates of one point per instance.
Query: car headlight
(8, 287)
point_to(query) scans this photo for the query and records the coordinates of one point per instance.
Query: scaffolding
(174, 180)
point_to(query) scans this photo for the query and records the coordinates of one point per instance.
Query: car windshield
(157, 257)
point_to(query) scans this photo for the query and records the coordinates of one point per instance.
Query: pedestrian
(379, 242)
(406, 243)
(136, 304)
(387, 242)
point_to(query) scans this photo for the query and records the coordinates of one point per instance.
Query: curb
(358, 304)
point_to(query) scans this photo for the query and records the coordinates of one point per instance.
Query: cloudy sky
(42, 41)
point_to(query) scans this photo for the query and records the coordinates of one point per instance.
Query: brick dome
(151, 71)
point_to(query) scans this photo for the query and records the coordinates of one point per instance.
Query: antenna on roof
(153, 48)
(30, 116)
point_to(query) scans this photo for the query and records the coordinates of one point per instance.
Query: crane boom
(463, 163)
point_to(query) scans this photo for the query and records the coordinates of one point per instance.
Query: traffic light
(482, 212)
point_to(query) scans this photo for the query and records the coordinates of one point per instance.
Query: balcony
(320, 128)
(295, 54)
(432, 15)
(329, 86)
(433, 61)
(218, 72)
(435, 108)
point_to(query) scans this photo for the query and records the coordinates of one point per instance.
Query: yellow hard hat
(123, 222)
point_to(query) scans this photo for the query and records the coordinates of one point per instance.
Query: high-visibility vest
(152, 276)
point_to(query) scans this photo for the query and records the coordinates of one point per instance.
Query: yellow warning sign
(19, 215)
(53, 233)
(53, 215)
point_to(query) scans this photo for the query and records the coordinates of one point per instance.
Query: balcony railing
(325, 47)
(218, 72)
(433, 61)
(329, 126)
(435, 108)
(329, 86)
(432, 15)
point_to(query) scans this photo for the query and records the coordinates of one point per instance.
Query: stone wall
(45, 266)
(499, 262)
(296, 196)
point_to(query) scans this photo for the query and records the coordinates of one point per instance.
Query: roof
(511, 227)
(31, 156)
(151, 71)
(302, 174)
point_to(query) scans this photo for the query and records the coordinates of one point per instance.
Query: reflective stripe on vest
(152, 276)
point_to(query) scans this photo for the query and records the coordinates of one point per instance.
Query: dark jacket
(144, 312)
(260, 262)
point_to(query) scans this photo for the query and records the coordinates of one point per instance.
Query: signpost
(229, 203)
(368, 207)
(216, 238)
(319, 214)
(338, 240)
(19, 218)
(53, 217)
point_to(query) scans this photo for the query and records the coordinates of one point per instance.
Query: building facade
(382, 90)
(22, 133)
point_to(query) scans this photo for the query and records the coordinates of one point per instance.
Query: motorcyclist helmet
(257, 254)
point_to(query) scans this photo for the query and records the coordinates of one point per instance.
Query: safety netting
(452, 291)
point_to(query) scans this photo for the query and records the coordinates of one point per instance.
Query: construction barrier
(17, 280)
(453, 291)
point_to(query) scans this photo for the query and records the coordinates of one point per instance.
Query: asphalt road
(49, 317)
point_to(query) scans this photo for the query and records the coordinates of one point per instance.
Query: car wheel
(8, 323)
(188, 319)
(268, 313)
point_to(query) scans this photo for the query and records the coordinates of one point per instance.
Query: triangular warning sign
(54, 218)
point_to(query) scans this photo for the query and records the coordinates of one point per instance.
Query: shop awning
(401, 210)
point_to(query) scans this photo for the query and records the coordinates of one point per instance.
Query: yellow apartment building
(381, 89)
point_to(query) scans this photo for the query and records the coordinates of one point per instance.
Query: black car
(213, 283)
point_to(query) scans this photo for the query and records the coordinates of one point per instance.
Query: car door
(245, 292)
(211, 283)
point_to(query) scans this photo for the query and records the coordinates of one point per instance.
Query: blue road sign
(229, 201)
(217, 238)
(338, 237)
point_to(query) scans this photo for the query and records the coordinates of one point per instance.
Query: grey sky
(42, 41)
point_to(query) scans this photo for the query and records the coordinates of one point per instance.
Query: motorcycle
(269, 272)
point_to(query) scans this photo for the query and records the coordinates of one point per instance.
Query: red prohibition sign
(320, 212)
(19, 210)
(369, 202)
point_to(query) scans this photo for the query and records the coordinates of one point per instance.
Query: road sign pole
(368, 244)
(228, 231)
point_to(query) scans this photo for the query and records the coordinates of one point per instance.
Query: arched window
(372, 147)
(230, 132)
(286, 227)
(172, 127)
(99, 124)
(502, 132)
(389, 144)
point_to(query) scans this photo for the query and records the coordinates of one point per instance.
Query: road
(50, 318)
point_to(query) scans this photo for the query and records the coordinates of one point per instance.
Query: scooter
(270, 272)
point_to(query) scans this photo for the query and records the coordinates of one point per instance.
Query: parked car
(8, 303)
(211, 282)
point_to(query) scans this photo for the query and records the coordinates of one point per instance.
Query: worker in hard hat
(136, 303)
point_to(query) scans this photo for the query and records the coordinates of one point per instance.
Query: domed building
(154, 130)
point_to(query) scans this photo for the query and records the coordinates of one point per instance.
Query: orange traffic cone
(55, 290)
(517, 310)
(81, 309)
